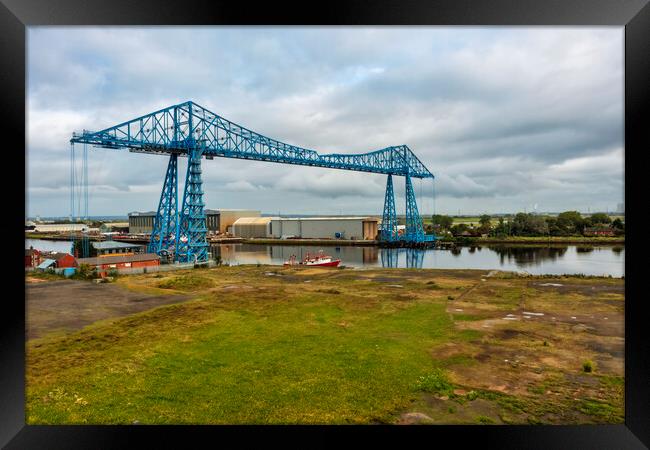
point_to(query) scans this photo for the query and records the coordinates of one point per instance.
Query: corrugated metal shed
(251, 227)
(109, 245)
(253, 220)
(45, 264)
(119, 259)
(363, 227)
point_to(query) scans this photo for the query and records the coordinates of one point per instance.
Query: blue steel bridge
(190, 130)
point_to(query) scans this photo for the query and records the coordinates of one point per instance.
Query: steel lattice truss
(188, 129)
(389, 218)
(166, 223)
(192, 228)
(414, 231)
(169, 130)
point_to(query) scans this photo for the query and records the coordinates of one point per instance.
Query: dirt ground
(534, 342)
(67, 305)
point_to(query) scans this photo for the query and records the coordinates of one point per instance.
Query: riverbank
(365, 243)
(273, 345)
(323, 242)
(61, 236)
(597, 240)
(541, 240)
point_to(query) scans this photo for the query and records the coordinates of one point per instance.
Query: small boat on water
(321, 260)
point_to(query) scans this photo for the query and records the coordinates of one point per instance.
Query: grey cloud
(488, 110)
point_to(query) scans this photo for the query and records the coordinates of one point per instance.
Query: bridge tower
(389, 219)
(414, 231)
(165, 233)
(192, 242)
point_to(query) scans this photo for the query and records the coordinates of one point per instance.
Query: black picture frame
(16, 15)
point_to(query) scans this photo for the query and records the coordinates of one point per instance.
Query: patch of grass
(457, 360)
(534, 420)
(469, 335)
(599, 409)
(45, 275)
(329, 291)
(507, 402)
(612, 381)
(539, 389)
(281, 355)
(189, 282)
(485, 420)
(436, 382)
(466, 317)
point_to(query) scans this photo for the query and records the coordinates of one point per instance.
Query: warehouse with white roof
(355, 228)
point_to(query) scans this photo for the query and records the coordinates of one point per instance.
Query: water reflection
(390, 257)
(534, 259)
(277, 254)
(590, 260)
(527, 256)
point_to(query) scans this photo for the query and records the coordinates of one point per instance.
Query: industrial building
(116, 248)
(141, 222)
(57, 227)
(354, 228)
(112, 227)
(61, 260)
(32, 257)
(252, 227)
(115, 262)
(218, 221)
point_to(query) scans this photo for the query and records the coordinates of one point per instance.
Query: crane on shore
(190, 130)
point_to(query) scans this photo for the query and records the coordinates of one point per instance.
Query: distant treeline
(568, 223)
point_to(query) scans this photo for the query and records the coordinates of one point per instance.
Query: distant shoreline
(371, 243)
(552, 240)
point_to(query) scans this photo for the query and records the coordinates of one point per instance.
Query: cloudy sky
(507, 119)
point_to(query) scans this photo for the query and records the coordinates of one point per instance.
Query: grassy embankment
(596, 240)
(474, 220)
(291, 345)
(554, 239)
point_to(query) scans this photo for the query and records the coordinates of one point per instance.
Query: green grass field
(264, 345)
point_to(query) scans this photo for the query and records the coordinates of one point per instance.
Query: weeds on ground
(435, 382)
(189, 282)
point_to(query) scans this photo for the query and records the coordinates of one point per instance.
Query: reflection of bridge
(272, 254)
(414, 257)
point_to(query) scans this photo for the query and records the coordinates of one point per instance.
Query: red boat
(321, 260)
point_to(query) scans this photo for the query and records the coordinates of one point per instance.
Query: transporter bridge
(191, 131)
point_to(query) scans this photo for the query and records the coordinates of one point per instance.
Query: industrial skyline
(505, 118)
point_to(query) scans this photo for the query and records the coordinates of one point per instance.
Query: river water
(554, 259)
